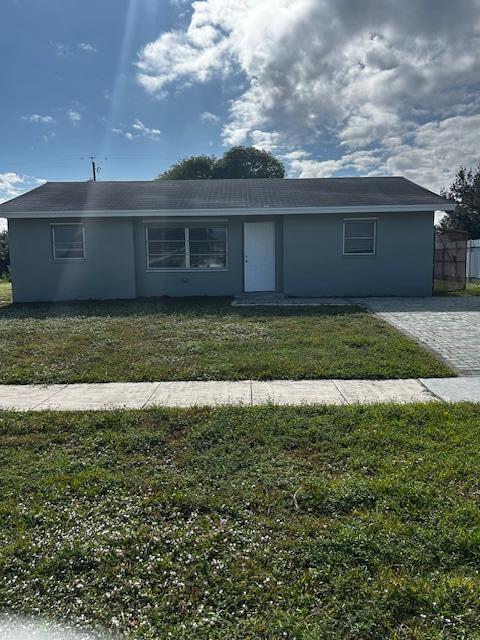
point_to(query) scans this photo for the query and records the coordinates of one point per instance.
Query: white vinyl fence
(473, 260)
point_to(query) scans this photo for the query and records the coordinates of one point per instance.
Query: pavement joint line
(344, 398)
(151, 395)
(432, 388)
(429, 391)
(39, 404)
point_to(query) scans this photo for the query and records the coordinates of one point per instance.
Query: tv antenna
(95, 168)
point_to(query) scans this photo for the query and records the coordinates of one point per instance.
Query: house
(302, 237)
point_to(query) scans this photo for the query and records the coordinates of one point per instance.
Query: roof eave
(243, 211)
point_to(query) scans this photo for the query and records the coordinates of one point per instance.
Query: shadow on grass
(194, 307)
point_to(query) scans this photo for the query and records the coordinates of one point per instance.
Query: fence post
(473, 260)
(469, 255)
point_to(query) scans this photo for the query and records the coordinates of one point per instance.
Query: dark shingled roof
(221, 194)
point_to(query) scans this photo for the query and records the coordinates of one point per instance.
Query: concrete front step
(258, 298)
(281, 300)
(139, 395)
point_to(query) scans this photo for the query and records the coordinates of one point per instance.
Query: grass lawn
(471, 289)
(333, 523)
(206, 339)
(5, 293)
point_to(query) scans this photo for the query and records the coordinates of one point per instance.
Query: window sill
(174, 270)
(69, 259)
(359, 255)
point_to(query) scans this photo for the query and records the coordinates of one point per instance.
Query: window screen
(189, 247)
(208, 247)
(68, 242)
(359, 237)
(166, 247)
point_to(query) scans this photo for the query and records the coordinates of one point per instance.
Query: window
(189, 247)
(208, 247)
(68, 241)
(166, 248)
(359, 237)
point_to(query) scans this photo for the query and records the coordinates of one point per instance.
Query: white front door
(259, 256)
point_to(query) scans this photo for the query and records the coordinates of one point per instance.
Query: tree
(248, 162)
(4, 259)
(193, 168)
(465, 190)
(238, 162)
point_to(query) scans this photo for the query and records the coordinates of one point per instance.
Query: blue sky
(333, 87)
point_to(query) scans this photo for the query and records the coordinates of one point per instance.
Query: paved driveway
(448, 325)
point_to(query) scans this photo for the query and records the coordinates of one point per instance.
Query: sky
(332, 87)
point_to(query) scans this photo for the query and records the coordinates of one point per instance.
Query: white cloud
(46, 137)
(428, 154)
(86, 46)
(302, 165)
(142, 130)
(12, 185)
(137, 130)
(62, 50)
(9, 185)
(36, 117)
(66, 51)
(268, 140)
(74, 116)
(208, 116)
(375, 74)
(435, 150)
(438, 217)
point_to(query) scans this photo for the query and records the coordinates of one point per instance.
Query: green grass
(204, 339)
(272, 522)
(5, 292)
(471, 289)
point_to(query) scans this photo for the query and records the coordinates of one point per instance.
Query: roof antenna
(95, 169)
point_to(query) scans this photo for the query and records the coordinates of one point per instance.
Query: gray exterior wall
(314, 264)
(201, 283)
(108, 270)
(309, 260)
(177, 282)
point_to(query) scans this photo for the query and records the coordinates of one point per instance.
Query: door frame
(274, 223)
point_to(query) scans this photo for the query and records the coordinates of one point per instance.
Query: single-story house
(301, 237)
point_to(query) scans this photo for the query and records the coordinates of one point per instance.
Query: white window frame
(186, 228)
(359, 255)
(67, 224)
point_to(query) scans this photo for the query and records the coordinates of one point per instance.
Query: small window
(359, 237)
(186, 247)
(68, 242)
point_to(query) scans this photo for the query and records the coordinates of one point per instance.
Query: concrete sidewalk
(139, 395)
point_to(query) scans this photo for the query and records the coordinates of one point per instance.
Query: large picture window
(68, 241)
(359, 237)
(186, 247)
